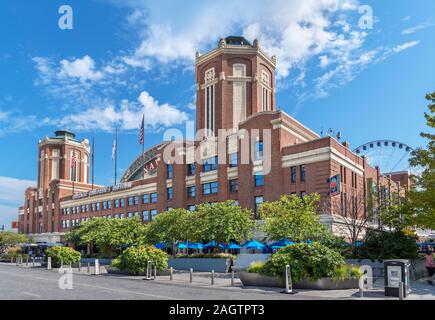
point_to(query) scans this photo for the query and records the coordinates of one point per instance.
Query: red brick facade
(301, 162)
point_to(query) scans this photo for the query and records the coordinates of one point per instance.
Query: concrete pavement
(36, 283)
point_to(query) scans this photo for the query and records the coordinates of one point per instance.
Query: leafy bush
(380, 245)
(63, 255)
(135, 259)
(313, 261)
(256, 267)
(13, 253)
(347, 271)
(206, 256)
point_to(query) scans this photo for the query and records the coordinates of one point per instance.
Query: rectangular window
(210, 188)
(145, 198)
(122, 202)
(234, 185)
(191, 168)
(210, 164)
(259, 179)
(293, 174)
(93, 206)
(170, 171)
(258, 203)
(191, 208)
(234, 159)
(109, 204)
(104, 205)
(259, 150)
(129, 215)
(146, 215)
(191, 192)
(130, 201)
(98, 206)
(209, 107)
(153, 197)
(303, 172)
(116, 203)
(136, 214)
(121, 216)
(170, 193)
(136, 200)
(153, 213)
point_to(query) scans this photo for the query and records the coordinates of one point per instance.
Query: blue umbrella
(281, 243)
(160, 245)
(181, 245)
(233, 246)
(195, 245)
(253, 245)
(213, 244)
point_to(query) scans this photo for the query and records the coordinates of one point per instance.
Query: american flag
(73, 159)
(142, 129)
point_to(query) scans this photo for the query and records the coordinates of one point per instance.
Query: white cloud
(127, 117)
(405, 46)
(324, 61)
(12, 189)
(413, 29)
(83, 69)
(294, 31)
(11, 197)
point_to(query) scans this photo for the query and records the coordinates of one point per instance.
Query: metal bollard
(89, 267)
(80, 266)
(149, 271)
(191, 275)
(361, 292)
(171, 274)
(12, 260)
(27, 261)
(212, 277)
(232, 278)
(288, 281)
(401, 290)
(97, 267)
(155, 272)
(33, 262)
(49, 263)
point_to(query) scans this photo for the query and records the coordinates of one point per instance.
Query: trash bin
(396, 271)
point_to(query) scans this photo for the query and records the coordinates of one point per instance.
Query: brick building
(245, 150)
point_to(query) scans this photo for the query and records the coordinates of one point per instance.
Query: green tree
(135, 259)
(63, 255)
(422, 197)
(109, 234)
(170, 227)
(294, 218)
(223, 222)
(10, 240)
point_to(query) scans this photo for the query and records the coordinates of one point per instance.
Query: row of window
(147, 215)
(117, 203)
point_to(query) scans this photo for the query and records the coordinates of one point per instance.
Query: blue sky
(124, 58)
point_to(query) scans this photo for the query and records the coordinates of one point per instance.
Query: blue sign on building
(334, 185)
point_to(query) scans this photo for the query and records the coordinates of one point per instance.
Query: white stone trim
(207, 177)
(190, 181)
(321, 154)
(233, 173)
(136, 191)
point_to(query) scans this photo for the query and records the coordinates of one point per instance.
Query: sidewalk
(420, 290)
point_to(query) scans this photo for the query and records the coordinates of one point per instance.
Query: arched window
(209, 89)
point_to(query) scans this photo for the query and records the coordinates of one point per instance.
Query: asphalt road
(37, 284)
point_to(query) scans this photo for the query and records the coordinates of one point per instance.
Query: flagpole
(93, 160)
(116, 153)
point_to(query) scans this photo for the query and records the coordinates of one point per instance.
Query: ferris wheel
(389, 155)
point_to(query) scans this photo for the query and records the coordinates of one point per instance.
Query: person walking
(430, 266)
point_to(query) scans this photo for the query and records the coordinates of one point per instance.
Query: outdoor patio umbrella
(213, 244)
(195, 245)
(281, 244)
(253, 245)
(233, 246)
(181, 245)
(160, 245)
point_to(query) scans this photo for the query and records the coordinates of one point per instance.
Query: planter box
(259, 280)
(201, 264)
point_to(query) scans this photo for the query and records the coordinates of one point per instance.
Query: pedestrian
(430, 266)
